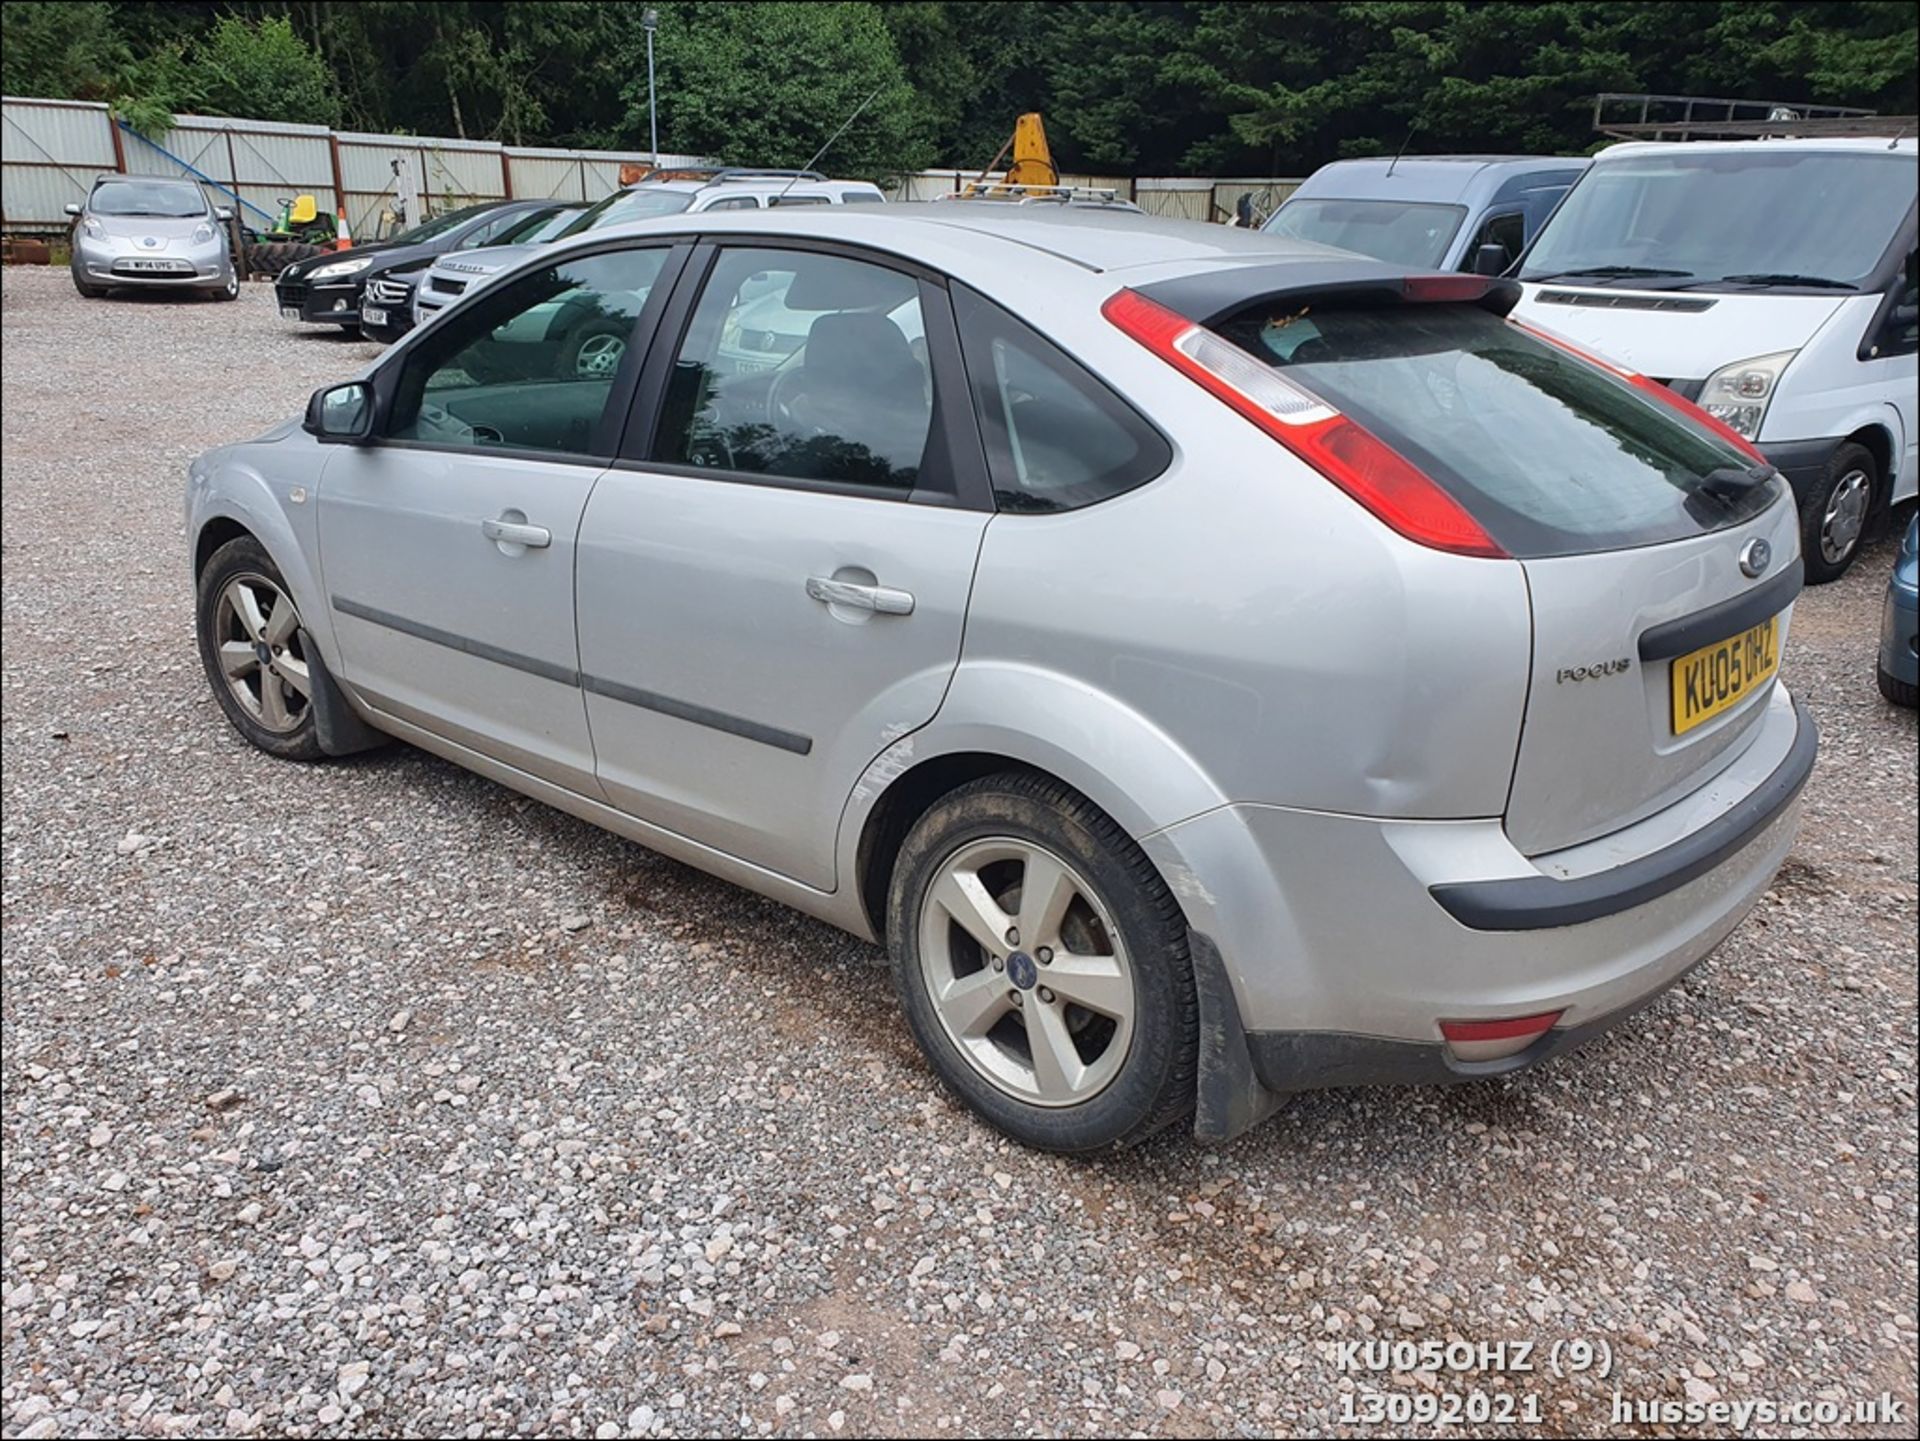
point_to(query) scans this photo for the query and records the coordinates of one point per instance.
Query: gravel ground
(370, 1097)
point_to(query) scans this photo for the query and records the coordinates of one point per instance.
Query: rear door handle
(514, 532)
(882, 599)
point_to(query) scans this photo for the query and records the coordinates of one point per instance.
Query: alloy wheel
(1846, 516)
(256, 633)
(1027, 972)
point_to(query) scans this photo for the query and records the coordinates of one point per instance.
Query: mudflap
(336, 725)
(1229, 1099)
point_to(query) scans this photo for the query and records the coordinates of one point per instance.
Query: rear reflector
(1395, 490)
(1652, 388)
(1493, 1040)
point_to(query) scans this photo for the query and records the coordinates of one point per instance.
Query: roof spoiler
(1209, 296)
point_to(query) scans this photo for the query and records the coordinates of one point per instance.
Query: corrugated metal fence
(53, 149)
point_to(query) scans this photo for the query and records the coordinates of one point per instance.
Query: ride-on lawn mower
(300, 231)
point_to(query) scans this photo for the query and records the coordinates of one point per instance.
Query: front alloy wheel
(254, 651)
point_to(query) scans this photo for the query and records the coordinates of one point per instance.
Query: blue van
(1435, 211)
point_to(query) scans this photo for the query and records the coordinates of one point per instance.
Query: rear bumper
(1342, 958)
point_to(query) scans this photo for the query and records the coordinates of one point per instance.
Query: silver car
(1221, 667)
(145, 233)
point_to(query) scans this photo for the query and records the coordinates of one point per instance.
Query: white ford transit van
(1771, 282)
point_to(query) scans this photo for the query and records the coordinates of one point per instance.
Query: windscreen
(440, 225)
(624, 205)
(1552, 455)
(1757, 216)
(1412, 235)
(537, 225)
(147, 197)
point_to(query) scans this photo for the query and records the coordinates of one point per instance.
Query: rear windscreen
(1551, 455)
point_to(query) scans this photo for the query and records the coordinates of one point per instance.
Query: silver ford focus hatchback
(1216, 666)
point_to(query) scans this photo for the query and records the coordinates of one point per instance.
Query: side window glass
(1900, 333)
(1509, 232)
(531, 367)
(799, 200)
(802, 365)
(735, 202)
(1056, 437)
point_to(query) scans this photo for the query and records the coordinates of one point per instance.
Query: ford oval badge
(1755, 559)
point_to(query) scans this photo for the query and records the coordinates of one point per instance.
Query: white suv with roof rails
(676, 192)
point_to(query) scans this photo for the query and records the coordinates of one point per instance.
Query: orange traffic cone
(343, 238)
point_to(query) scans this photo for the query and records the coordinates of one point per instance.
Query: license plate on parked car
(1718, 677)
(373, 316)
(289, 312)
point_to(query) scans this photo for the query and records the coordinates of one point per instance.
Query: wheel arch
(1877, 440)
(1070, 733)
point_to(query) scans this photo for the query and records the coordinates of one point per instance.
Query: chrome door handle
(883, 599)
(513, 532)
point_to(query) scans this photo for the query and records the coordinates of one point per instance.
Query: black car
(332, 289)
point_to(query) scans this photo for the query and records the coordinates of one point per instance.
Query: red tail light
(1654, 388)
(1395, 490)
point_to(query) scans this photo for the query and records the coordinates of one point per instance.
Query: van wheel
(1043, 966)
(1833, 521)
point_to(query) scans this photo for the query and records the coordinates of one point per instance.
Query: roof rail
(1698, 117)
(1038, 194)
(749, 172)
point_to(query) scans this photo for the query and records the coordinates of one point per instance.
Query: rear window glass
(1551, 455)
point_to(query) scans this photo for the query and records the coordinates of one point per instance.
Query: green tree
(767, 84)
(61, 49)
(264, 71)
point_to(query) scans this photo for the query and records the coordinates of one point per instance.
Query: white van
(1773, 283)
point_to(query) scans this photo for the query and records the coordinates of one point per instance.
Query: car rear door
(447, 544)
(774, 576)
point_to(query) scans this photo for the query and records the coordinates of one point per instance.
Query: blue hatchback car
(1900, 624)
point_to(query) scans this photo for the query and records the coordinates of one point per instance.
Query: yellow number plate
(1718, 677)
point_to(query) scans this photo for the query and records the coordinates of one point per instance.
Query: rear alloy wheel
(254, 651)
(1043, 966)
(1834, 520)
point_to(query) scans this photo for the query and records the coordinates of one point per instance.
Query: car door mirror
(72, 209)
(222, 214)
(341, 414)
(1490, 259)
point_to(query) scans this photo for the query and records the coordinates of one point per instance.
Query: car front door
(447, 544)
(772, 586)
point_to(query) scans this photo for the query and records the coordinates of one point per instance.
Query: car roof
(1438, 178)
(1089, 239)
(751, 184)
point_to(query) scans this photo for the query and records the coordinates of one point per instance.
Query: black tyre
(1080, 1033)
(253, 651)
(1835, 512)
(88, 292)
(229, 291)
(1897, 691)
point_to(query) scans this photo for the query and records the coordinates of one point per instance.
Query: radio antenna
(1403, 145)
(833, 137)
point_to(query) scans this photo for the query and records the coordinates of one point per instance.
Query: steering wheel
(787, 402)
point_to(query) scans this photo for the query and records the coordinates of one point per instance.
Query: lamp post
(649, 18)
